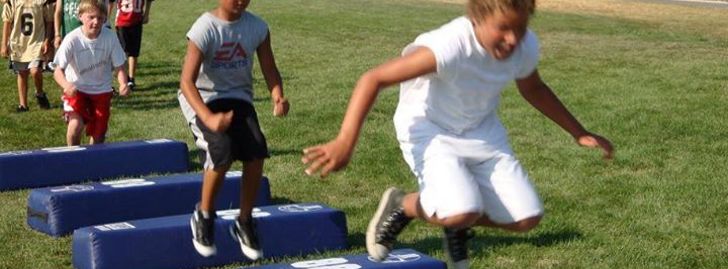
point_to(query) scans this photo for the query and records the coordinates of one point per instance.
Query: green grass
(659, 94)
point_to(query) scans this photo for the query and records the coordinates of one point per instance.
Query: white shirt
(89, 63)
(466, 88)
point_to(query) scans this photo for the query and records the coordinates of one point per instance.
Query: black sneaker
(244, 233)
(42, 100)
(455, 244)
(21, 109)
(387, 223)
(203, 233)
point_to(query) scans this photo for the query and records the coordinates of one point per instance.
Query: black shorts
(131, 39)
(243, 140)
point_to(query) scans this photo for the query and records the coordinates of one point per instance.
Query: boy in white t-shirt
(450, 136)
(85, 62)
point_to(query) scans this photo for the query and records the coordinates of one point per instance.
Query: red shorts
(94, 109)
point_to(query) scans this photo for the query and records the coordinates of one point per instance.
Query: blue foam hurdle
(159, 243)
(69, 165)
(398, 259)
(59, 210)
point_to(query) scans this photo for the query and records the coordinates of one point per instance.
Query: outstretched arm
(335, 154)
(272, 78)
(540, 96)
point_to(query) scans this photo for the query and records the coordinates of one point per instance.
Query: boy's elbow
(373, 78)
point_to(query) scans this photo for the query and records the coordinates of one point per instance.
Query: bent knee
(460, 220)
(525, 225)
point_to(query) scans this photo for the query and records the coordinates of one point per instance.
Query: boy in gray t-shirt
(216, 98)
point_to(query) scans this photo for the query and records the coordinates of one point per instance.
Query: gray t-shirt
(228, 49)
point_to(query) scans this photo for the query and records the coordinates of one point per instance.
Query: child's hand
(592, 141)
(219, 122)
(57, 41)
(124, 90)
(70, 91)
(280, 107)
(326, 158)
(4, 51)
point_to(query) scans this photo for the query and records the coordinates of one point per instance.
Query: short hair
(478, 9)
(89, 5)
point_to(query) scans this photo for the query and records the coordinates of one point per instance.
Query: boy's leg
(23, 87)
(37, 74)
(100, 113)
(202, 222)
(244, 229)
(132, 62)
(75, 127)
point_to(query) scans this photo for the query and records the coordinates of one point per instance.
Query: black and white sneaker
(455, 244)
(43, 100)
(131, 85)
(387, 223)
(203, 233)
(244, 233)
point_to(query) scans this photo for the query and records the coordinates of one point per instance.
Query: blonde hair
(479, 9)
(89, 5)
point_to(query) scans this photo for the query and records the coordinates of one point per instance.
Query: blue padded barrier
(69, 165)
(59, 210)
(398, 259)
(159, 243)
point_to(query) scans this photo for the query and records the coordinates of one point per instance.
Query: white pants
(473, 172)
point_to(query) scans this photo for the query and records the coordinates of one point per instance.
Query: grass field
(651, 77)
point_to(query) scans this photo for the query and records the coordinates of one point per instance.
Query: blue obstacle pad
(160, 243)
(59, 210)
(398, 259)
(74, 164)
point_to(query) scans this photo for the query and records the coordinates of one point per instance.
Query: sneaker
(244, 233)
(131, 85)
(203, 233)
(43, 100)
(49, 67)
(456, 248)
(21, 109)
(387, 223)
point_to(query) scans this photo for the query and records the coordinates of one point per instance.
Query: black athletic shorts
(243, 140)
(131, 39)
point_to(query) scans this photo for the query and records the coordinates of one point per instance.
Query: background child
(66, 18)
(130, 16)
(84, 64)
(26, 29)
(448, 129)
(216, 98)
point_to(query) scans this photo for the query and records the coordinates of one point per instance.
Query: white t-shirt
(89, 63)
(466, 88)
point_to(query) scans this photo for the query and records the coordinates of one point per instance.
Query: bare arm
(57, 21)
(147, 7)
(272, 78)
(335, 154)
(122, 78)
(4, 50)
(217, 122)
(59, 74)
(540, 96)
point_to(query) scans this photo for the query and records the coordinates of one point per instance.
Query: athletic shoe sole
(376, 251)
(205, 251)
(249, 252)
